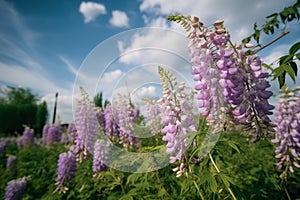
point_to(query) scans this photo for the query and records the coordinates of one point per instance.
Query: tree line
(19, 107)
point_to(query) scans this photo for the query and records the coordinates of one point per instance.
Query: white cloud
(64, 107)
(119, 19)
(110, 77)
(36, 81)
(91, 10)
(239, 17)
(70, 66)
(20, 67)
(154, 45)
(18, 75)
(145, 92)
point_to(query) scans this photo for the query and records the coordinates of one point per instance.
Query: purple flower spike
(101, 156)
(287, 118)
(10, 162)
(177, 115)
(28, 137)
(66, 168)
(226, 77)
(15, 189)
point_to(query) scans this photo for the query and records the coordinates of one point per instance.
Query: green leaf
(213, 184)
(285, 59)
(234, 146)
(205, 176)
(225, 179)
(255, 26)
(281, 79)
(272, 15)
(265, 65)
(298, 56)
(191, 136)
(290, 71)
(294, 48)
(131, 179)
(283, 17)
(278, 71)
(246, 40)
(256, 35)
(294, 66)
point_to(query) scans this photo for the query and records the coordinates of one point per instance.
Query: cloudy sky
(112, 46)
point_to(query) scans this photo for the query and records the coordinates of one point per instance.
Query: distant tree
(106, 102)
(98, 100)
(41, 116)
(18, 96)
(18, 107)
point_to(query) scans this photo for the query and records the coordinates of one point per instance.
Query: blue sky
(59, 45)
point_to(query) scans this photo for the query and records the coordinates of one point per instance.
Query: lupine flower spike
(66, 167)
(15, 189)
(101, 156)
(10, 162)
(287, 118)
(177, 116)
(28, 137)
(230, 83)
(87, 126)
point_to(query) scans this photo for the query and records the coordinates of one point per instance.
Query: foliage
(41, 116)
(13, 117)
(210, 156)
(98, 100)
(247, 166)
(19, 96)
(35, 162)
(19, 107)
(286, 63)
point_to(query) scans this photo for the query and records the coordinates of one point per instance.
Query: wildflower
(101, 156)
(54, 134)
(177, 115)
(15, 189)
(11, 161)
(27, 137)
(229, 82)
(86, 124)
(66, 168)
(2, 147)
(287, 118)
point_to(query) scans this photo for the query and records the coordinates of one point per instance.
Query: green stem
(218, 170)
(160, 182)
(198, 189)
(287, 193)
